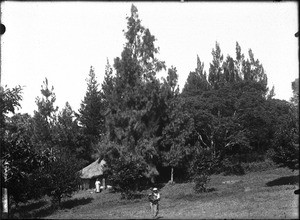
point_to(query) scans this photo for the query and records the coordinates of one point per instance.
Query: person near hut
(97, 184)
(154, 197)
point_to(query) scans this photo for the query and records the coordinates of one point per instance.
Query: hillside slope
(264, 194)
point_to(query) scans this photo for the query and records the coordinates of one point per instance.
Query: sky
(61, 40)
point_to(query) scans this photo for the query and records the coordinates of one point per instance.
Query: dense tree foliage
(284, 148)
(69, 136)
(230, 108)
(34, 147)
(19, 161)
(91, 115)
(196, 82)
(60, 176)
(134, 103)
(22, 161)
(44, 118)
(125, 170)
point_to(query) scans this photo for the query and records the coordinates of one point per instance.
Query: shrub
(286, 156)
(202, 165)
(231, 166)
(201, 183)
(258, 166)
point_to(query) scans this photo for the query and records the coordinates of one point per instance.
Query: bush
(203, 162)
(258, 166)
(231, 166)
(201, 183)
(202, 165)
(286, 156)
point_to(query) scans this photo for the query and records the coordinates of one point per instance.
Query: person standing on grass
(97, 183)
(154, 197)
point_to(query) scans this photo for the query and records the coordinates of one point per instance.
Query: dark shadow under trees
(39, 209)
(286, 180)
(71, 203)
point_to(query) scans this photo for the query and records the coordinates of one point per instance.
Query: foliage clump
(60, 176)
(125, 171)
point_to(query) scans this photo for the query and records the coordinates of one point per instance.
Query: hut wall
(92, 183)
(85, 184)
(89, 183)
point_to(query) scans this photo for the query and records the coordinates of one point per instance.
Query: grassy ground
(262, 194)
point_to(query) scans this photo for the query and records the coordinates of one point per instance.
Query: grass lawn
(262, 194)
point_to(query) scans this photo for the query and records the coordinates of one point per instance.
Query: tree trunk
(59, 202)
(172, 174)
(4, 203)
(103, 183)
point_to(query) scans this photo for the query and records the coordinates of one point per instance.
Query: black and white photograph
(149, 110)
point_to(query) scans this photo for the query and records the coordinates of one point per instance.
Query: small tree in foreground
(201, 167)
(127, 172)
(61, 176)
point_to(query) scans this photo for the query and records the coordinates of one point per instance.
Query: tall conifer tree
(91, 109)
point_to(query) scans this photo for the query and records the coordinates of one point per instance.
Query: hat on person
(154, 189)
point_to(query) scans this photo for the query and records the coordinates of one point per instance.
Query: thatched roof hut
(93, 170)
(89, 173)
